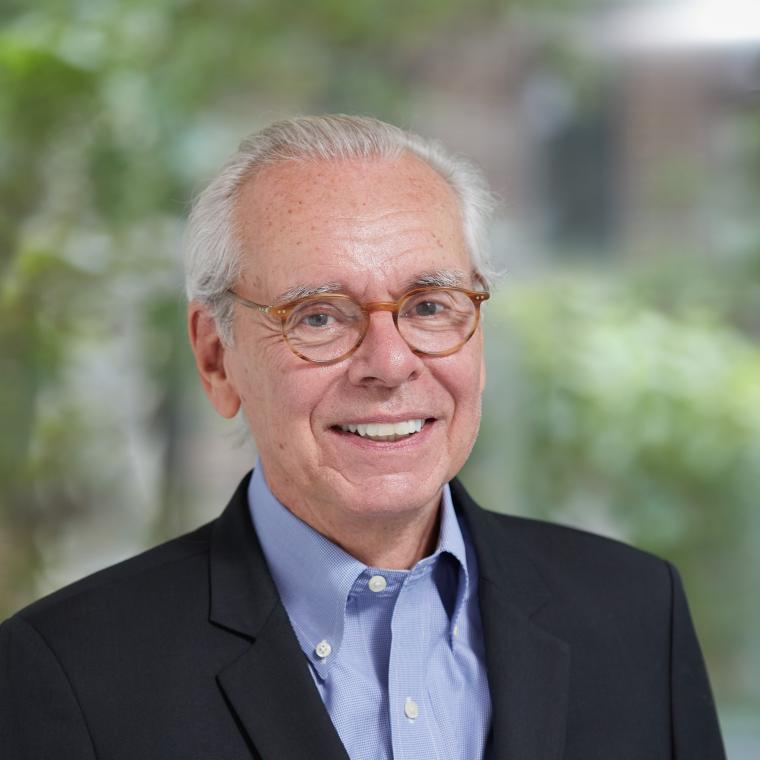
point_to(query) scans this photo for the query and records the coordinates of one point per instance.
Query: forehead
(354, 222)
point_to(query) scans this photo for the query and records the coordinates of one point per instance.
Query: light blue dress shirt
(397, 655)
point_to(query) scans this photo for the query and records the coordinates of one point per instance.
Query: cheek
(467, 418)
(467, 370)
(465, 384)
(279, 399)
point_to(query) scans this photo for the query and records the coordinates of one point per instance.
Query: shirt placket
(412, 721)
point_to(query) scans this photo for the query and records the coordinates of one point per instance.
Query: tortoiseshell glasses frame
(445, 318)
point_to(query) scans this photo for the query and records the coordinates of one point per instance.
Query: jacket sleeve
(695, 728)
(39, 713)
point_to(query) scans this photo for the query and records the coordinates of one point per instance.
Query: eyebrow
(303, 291)
(438, 278)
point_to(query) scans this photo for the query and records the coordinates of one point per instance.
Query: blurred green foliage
(634, 410)
(111, 113)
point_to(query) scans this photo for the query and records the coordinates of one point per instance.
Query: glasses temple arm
(249, 304)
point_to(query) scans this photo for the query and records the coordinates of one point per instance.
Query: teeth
(385, 430)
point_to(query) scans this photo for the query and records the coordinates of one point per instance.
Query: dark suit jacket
(186, 652)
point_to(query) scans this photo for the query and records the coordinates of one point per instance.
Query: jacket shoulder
(572, 544)
(135, 575)
(573, 562)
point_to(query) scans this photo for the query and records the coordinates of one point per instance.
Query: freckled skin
(371, 226)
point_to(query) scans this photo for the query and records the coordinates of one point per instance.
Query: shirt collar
(314, 576)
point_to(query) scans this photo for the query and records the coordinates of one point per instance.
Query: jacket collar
(528, 667)
(268, 687)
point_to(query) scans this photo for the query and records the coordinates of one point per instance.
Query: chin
(396, 493)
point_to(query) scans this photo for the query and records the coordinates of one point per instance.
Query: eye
(427, 309)
(430, 305)
(319, 319)
(323, 315)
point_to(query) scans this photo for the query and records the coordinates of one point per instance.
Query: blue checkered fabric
(397, 655)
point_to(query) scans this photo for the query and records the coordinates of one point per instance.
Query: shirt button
(410, 709)
(456, 631)
(323, 649)
(377, 583)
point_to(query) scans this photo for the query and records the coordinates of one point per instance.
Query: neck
(394, 542)
(387, 545)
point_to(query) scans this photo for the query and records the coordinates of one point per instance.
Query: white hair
(213, 249)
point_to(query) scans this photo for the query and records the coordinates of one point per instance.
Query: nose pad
(384, 356)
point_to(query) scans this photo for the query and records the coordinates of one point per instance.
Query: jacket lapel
(269, 687)
(528, 667)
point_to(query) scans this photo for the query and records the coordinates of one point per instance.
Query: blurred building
(606, 133)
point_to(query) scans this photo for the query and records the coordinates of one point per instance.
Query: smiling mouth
(384, 431)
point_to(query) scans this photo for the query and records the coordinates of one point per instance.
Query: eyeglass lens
(434, 321)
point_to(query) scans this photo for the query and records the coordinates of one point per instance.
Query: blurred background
(623, 140)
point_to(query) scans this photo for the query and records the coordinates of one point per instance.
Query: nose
(383, 358)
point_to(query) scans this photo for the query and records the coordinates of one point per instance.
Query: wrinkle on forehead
(335, 218)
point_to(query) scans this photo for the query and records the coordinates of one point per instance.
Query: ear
(210, 354)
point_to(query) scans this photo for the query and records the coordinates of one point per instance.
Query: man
(352, 600)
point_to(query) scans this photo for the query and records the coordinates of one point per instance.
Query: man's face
(373, 228)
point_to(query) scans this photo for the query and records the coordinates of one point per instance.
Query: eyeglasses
(434, 321)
